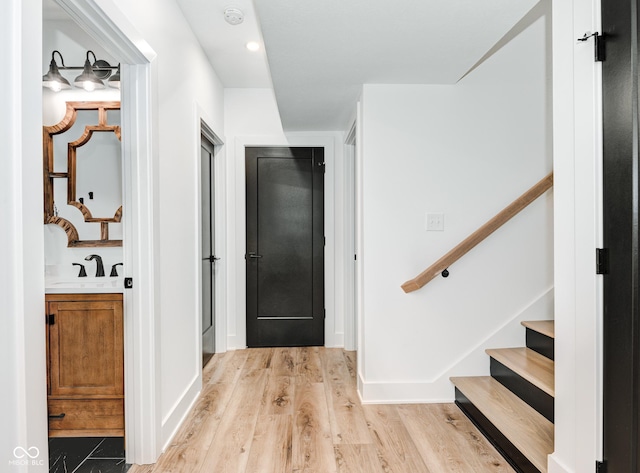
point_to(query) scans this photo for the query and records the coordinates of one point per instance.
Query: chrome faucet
(99, 266)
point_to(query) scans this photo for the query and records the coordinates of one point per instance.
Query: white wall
(252, 119)
(72, 42)
(465, 150)
(578, 231)
(22, 339)
(248, 112)
(183, 81)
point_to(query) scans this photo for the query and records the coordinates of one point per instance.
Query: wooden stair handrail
(480, 234)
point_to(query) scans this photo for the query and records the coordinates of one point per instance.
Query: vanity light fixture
(53, 79)
(91, 78)
(114, 80)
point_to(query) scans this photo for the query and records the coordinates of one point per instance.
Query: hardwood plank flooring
(312, 439)
(357, 458)
(309, 366)
(394, 445)
(296, 410)
(278, 395)
(229, 451)
(447, 441)
(196, 435)
(271, 448)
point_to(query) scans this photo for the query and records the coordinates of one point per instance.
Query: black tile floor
(87, 455)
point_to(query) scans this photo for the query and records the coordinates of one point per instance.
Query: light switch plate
(435, 222)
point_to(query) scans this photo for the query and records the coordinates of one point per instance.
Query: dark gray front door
(285, 246)
(208, 250)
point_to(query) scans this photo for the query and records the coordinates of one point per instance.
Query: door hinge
(324, 313)
(602, 261)
(601, 467)
(598, 45)
(50, 319)
(324, 241)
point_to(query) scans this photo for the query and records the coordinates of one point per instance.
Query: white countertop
(103, 285)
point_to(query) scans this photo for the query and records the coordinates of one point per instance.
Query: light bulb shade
(53, 79)
(114, 80)
(88, 80)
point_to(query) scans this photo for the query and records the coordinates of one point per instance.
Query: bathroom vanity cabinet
(85, 365)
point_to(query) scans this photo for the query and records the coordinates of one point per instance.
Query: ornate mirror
(83, 174)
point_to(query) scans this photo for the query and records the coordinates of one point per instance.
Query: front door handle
(253, 255)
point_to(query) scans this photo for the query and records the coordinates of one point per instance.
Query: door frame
(350, 280)
(219, 170)
(577, 153)
(236, 233)
(108, 25)
(354, 242)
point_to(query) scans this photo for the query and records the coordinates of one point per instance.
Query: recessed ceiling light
(253, 46)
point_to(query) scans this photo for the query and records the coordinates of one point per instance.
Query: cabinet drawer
(92, 417)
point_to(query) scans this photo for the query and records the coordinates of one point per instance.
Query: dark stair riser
(528, 392)
(511, 454)
(540, 343)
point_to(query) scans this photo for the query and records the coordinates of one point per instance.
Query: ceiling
(225, 44)
(320, 52)
(52, 11)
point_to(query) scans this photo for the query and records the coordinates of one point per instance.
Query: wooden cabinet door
(86, 349)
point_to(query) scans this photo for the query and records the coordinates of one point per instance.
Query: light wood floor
(296, 410)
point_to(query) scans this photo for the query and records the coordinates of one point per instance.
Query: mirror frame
(73, 239)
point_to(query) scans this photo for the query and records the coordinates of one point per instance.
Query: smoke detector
(233, 16)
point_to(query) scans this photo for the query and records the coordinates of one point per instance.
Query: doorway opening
(350, 245)
(106, 25)
(210, 145)
(83, 252)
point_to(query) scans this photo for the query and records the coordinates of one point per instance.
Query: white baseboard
(555, 466)
(407, 393)
(179, 411)
(234, 343)
(338, 340)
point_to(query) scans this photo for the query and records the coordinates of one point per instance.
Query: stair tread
(532, 366)
(525, 428)
(545, 327)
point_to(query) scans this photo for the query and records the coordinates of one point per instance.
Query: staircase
(513, 407)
